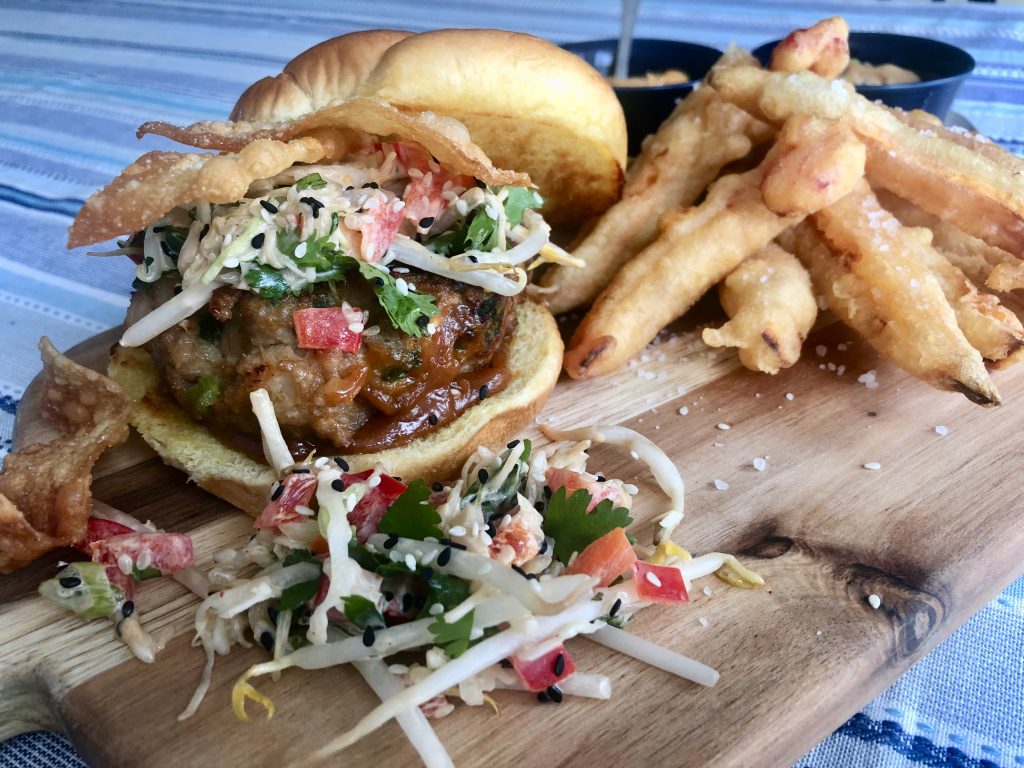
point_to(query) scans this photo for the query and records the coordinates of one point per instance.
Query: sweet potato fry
(823, 49)
(698, 139)
(699, 247)
(862, 261)
(982, 263)
(967, 188)
(771, 308)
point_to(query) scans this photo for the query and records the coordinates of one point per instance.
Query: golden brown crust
(330, 70)
(534, 359)
(529, 104)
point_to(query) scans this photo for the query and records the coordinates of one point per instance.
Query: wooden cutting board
(936, 532)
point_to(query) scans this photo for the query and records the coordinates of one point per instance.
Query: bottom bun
(534, 361)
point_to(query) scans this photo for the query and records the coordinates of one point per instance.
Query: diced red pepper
(98, 529)
(544, 671)
(659, 583)
(375, 502)
(294, 490)
(573, 481)
(167, 552)
(379, 226)
(605, 558)
(325, 328)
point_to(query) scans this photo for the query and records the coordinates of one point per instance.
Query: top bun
(528, 104)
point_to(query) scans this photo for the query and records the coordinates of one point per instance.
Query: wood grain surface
(936, 533)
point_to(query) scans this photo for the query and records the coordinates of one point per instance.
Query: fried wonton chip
(45, 496)
(159, 181)
(356, 120)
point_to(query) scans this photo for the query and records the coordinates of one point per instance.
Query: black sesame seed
(436, 161)
(390, 542)
(258, 240)
(615, 607)
(456, 545)
(166, 249)
(371, 185)
(177, 290)
(396, 477)
(437, 487)
(539, 506)
(389, 596)
(422, 321)
(532, 576)
(559, 666)
(300, 471)
(483, 475)
(276, 493)
(338, 485)
(127, 608)
(512, 445)
(159, 229)
(547, 491)
(872, 414)
(369, 637)
(267, 640)
(378, 281)
(543, 698)
(432, 418)
(70, 582)
(506, 664)
(426, 574)
(272, 615)
(473, 258)
(484, 391)
(407, 602)
(444, 557)
(479, 183)
(342, 464)
(555, 693)
(601, 478)
(268, 206)
(349, 188)
(426, 222)
(117, 627)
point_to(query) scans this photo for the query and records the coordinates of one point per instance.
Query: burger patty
(330, 398)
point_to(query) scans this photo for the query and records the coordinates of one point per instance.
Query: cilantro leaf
(454, 637)
(175, 238)
(298, 594)
(497, 501)
(411, 516)
(310, 181)
(447, 590)
(403, 309)
(144, 574)
(287, 241)
(482, 233)
(448, 243)
(362, 612)
(300, 556)
(268, 282)
(517, 201)
(573, 528)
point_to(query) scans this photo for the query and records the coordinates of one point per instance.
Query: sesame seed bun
(534, 360)
(529, 104)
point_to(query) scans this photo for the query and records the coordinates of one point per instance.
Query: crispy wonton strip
(45, 498)
(159, 181)
(359, 119)
(978, 194)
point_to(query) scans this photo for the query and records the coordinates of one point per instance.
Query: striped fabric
(76, 78)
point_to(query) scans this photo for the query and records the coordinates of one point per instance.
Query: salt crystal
(707, 591)
(942, 430)
(760, 464)
(683, 411)
(635, 455)
(841, 347)
(703, 621)
(789, 395)
(869, 379)
(840, 370)
(872, 465)
(821, 349)
(831, 366)
(721, 485)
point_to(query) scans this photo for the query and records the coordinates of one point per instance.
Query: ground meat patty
(322, 397)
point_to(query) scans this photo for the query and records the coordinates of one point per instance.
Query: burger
(346, 244)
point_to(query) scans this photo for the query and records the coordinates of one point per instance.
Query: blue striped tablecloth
(76, 78)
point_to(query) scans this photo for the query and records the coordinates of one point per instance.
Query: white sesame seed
(874, 601)
(683, 411)
(457, 530)
(635, 455)
(789, 395)
(760, 464)
(703, 622)
(872, 465)
(818, 633)
(942, 430)
(707, 591)
(721, 485)
(435, 609)
(723, 426)
(653, 579)
(410, 562)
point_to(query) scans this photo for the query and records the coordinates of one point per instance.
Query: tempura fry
(971, 190)
(823, 49)
(991, 328)
(771, 308)
(697, 248)
(874, 280)
(698, 139)
(982, 263)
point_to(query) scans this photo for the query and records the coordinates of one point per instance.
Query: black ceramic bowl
(646, 106)
(942, 68)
